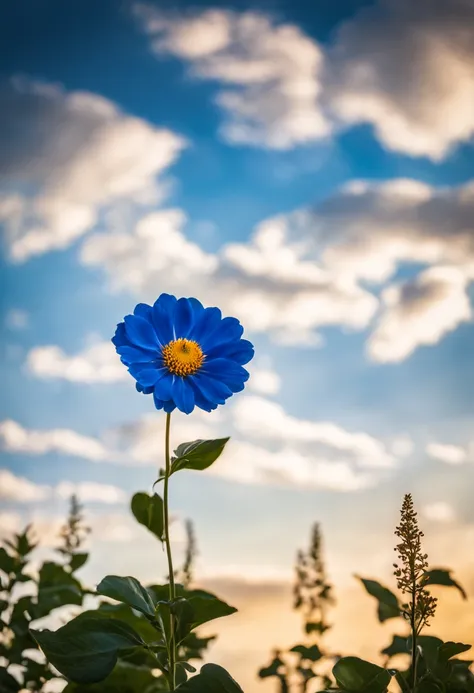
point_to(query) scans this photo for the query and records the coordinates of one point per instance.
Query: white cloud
(262, 419)
(402, 446)
(96, 364)
(288, 467)
(419, 312)
(156, 251)
(267, 283)
(79, 154)
(18, 489)
(91, 492)
(14, 438)
(15, 488)
(408, 69)
(10, 523)
(269, 74)
(17, 319)
(439, 512)
(265, 381)
(450, 454)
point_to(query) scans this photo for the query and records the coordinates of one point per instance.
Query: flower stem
(172, 644)
(414, 652)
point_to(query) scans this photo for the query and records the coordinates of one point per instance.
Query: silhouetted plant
(312, 596)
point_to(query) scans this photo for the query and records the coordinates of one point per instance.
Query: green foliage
(148, 511)
(312, 596)
(198, 455)
(358, 676)
(388, 605)
(55, 586)
(442, 576)
(211, 679)
(86, 649)
(128, 591)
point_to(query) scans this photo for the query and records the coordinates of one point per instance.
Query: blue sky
(310, 171)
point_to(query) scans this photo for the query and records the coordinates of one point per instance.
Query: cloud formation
(21, 490)
(268, 73)
(98, 363)
(77, 153)
(14, 438)
(405, 68)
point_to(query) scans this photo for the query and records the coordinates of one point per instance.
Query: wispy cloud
(100, 156)
(268, 73)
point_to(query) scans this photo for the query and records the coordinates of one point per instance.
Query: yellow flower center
(182, 357)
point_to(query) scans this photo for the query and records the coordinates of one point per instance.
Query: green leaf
(7, 562)
(8, 684)
(451, 649)
(199, 454)
(56, 588)
(128, 591)
(312, 653)
(388, 603)
(399, 645)
(358, 676)
(429, 646)
(148, 511)
(401, 679)
(205, 606)
(122, 612)
(77, 561)
(442, 576)
(125, 678)
(86, 649)
(211, 679)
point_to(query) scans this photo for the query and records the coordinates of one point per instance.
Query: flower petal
(147, 375)
(207, 321)
(183, 318)
(169, 406)
(183, 395)
(144, 390)
(211, 389)
(227, 330)
(163, 323)
(199, 398)
(140, 332)
(143, 310)
(120, 337)
(164, 387)
(221, 369)
(131, 354)
(240, 351)
(167, 302)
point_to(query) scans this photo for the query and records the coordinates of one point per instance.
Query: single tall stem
(414, 652)
(172, 644)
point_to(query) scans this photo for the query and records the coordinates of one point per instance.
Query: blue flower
(184, 354)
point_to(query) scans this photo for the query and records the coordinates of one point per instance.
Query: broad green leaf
(128, 591)
(401, 679)
(122, 612)
(8, 683)
(78, 560)
(398, 645)
(442, 576)
(56, 588)
(199, 454)
(315, 627)
(148, 511)
(451, 649)
(211, 679)
(125, 678)
(312, 653)
(358, 676)
(205, 606)
(86, 649)
(388, 606)
(7, 562)
(429, 646)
